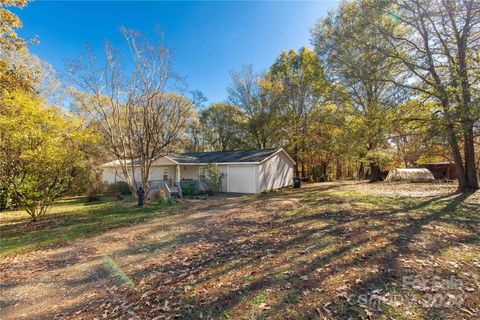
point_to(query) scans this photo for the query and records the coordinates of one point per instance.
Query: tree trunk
(375, 172)
(457, 158)
(297, 170)
(338, 171)
(361, 171)
(469, 150)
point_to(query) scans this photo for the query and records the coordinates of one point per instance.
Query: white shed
(244, 171)
(410, 174)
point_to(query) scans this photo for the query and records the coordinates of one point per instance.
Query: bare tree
(259, 107)
(141, 112)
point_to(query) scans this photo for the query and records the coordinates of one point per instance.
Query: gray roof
(223, 156)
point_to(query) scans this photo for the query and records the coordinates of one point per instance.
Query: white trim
(228, 178)
(168, 158)
(218, 163)
(275, 153)
(254, 178)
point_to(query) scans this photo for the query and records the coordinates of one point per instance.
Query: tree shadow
(292, 260)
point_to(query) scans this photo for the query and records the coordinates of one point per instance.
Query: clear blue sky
(208, 39)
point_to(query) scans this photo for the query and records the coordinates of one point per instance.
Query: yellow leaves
(8, 23)
(40, 133)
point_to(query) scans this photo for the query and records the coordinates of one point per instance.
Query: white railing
(179, 188)
(154, 186)
(169, 192)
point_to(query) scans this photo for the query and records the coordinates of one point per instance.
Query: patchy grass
(70, 219)
(327, 251)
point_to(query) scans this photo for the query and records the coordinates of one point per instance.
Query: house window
(165, 174)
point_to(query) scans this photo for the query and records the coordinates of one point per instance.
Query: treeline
(388, 84)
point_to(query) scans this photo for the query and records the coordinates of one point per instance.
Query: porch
(170, 177)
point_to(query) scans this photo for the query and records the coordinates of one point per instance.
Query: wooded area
(387, 84)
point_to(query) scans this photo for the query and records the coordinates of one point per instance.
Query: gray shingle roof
(223, 157)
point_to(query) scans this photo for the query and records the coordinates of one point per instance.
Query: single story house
(244, 171)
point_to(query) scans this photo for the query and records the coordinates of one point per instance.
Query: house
(245, 171)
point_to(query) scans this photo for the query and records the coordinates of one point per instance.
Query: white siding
(224, 170)
(276, 172)
(111, 175)
(242, 178)
(193, 172)
(157, 173)
(189, 172)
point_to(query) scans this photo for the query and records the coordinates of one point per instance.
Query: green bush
(213, 179)
(189, 188)
(118, 187)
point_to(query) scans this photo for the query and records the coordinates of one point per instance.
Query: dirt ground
(329, 250)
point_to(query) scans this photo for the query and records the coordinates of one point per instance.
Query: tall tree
(360, 77)
(250, 92)
(142, 113)
(300, 83)
(41, 150)
(222, 126)
(437, 43)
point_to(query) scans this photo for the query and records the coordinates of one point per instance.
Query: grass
(71, 219)
(299, 254)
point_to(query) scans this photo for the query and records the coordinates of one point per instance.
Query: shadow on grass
(293, 261)
(295, 235)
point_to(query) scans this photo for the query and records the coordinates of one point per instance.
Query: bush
(189, 188)
(118, 187)
(168, 201)
(212, 180)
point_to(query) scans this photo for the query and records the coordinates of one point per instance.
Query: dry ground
(327, 251)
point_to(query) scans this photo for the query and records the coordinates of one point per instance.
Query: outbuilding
(410, 174)
(242, 171)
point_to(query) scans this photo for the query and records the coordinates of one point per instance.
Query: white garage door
(241, 179)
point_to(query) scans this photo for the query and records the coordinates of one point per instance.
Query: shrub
(161, 198)
(168, 201)
(213, 179)
(189, 188)
(118, 187)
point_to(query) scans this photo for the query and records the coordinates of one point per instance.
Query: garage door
(241, 179)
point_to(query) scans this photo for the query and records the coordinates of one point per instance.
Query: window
(165, 174)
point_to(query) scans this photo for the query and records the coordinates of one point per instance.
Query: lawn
(327, 251)
(70, 219)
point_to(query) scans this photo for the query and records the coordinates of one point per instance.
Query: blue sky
(208, 39)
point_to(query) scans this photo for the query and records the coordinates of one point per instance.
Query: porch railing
(154, 187)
